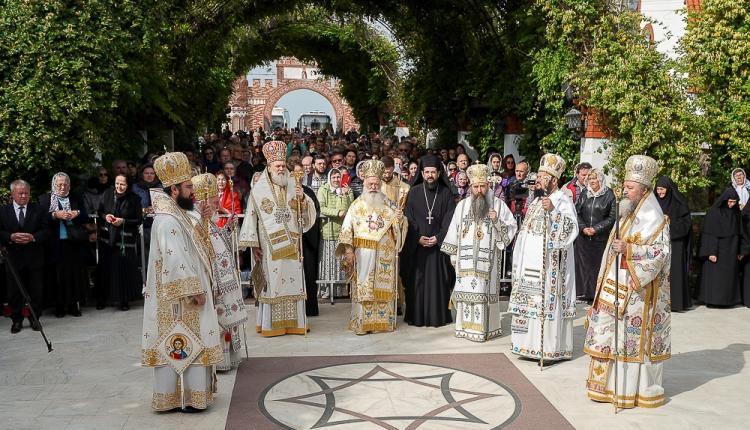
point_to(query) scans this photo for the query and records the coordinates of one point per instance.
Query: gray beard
(626, 207)
(480, 207)
(281, 179)
(375, 200)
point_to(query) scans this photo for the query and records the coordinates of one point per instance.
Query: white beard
(374, 200)
(626, 207)
(280, 179)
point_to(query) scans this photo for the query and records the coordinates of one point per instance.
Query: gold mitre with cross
(478, 174)
(274, 150)
(204, 186)
(641, 169)
(552, 164)
(372, 168)
(173, 168)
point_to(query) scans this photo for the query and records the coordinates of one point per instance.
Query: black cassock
(426, 272)
(310, 246)
(746, 259)
(721, 237)
(676, 207)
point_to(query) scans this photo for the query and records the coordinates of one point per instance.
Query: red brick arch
(340, 108)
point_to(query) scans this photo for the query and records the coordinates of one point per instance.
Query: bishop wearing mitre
(180, 326)
(481, 227)
(371, 237)
(278, 212)
(641, 281)
(543, 300)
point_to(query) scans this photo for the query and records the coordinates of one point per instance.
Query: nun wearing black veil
(674, 205)
(721, 242)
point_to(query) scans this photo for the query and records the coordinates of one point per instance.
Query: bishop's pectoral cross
(429, 218)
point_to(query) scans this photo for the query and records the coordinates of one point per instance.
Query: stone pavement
(93, 378)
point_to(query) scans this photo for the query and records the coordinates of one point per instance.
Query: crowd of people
(397, 227)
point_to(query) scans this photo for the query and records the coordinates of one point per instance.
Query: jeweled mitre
(478, 174)
(173, 168)
(641, 169)
(274, 150)
(204, 186)
(372, 168)
(552, 164)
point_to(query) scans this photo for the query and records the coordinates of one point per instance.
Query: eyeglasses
(337, 160)
(103, 175)
(451, 169)
(403, 150)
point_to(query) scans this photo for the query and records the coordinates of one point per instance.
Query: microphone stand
(24, 293)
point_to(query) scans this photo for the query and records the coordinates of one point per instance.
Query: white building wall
(594, 150)
(670, 23)
(510, 146)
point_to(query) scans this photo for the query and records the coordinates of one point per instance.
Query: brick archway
(316, 86)
(251, 103)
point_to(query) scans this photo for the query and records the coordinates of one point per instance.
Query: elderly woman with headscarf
(67, 246)
(675, 206)
(721, 247)
(595, 206)
(741, 184)
(334, 202)
(120, 214)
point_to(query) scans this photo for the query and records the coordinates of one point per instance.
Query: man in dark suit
(23, 229)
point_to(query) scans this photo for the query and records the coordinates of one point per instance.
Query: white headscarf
(340, 190)
(602, 188)
(742, 190)
(58, 201)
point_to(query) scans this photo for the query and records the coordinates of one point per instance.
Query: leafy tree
(716, 54)
(618, 74)
(62, 71)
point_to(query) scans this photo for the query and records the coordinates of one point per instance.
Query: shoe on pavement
(16, 326)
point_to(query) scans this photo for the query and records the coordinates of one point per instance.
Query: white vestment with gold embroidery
(271, 224)
(544, 288)
(376, 237)
(644, 313)
(178, 269)
(227, 293)
(476, 251)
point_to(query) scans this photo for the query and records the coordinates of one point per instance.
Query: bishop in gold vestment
(272, 229)
(371, 236)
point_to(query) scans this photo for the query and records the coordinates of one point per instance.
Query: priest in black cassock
(426, 272)
(721, 247)
(675, 206)
(310, 249)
